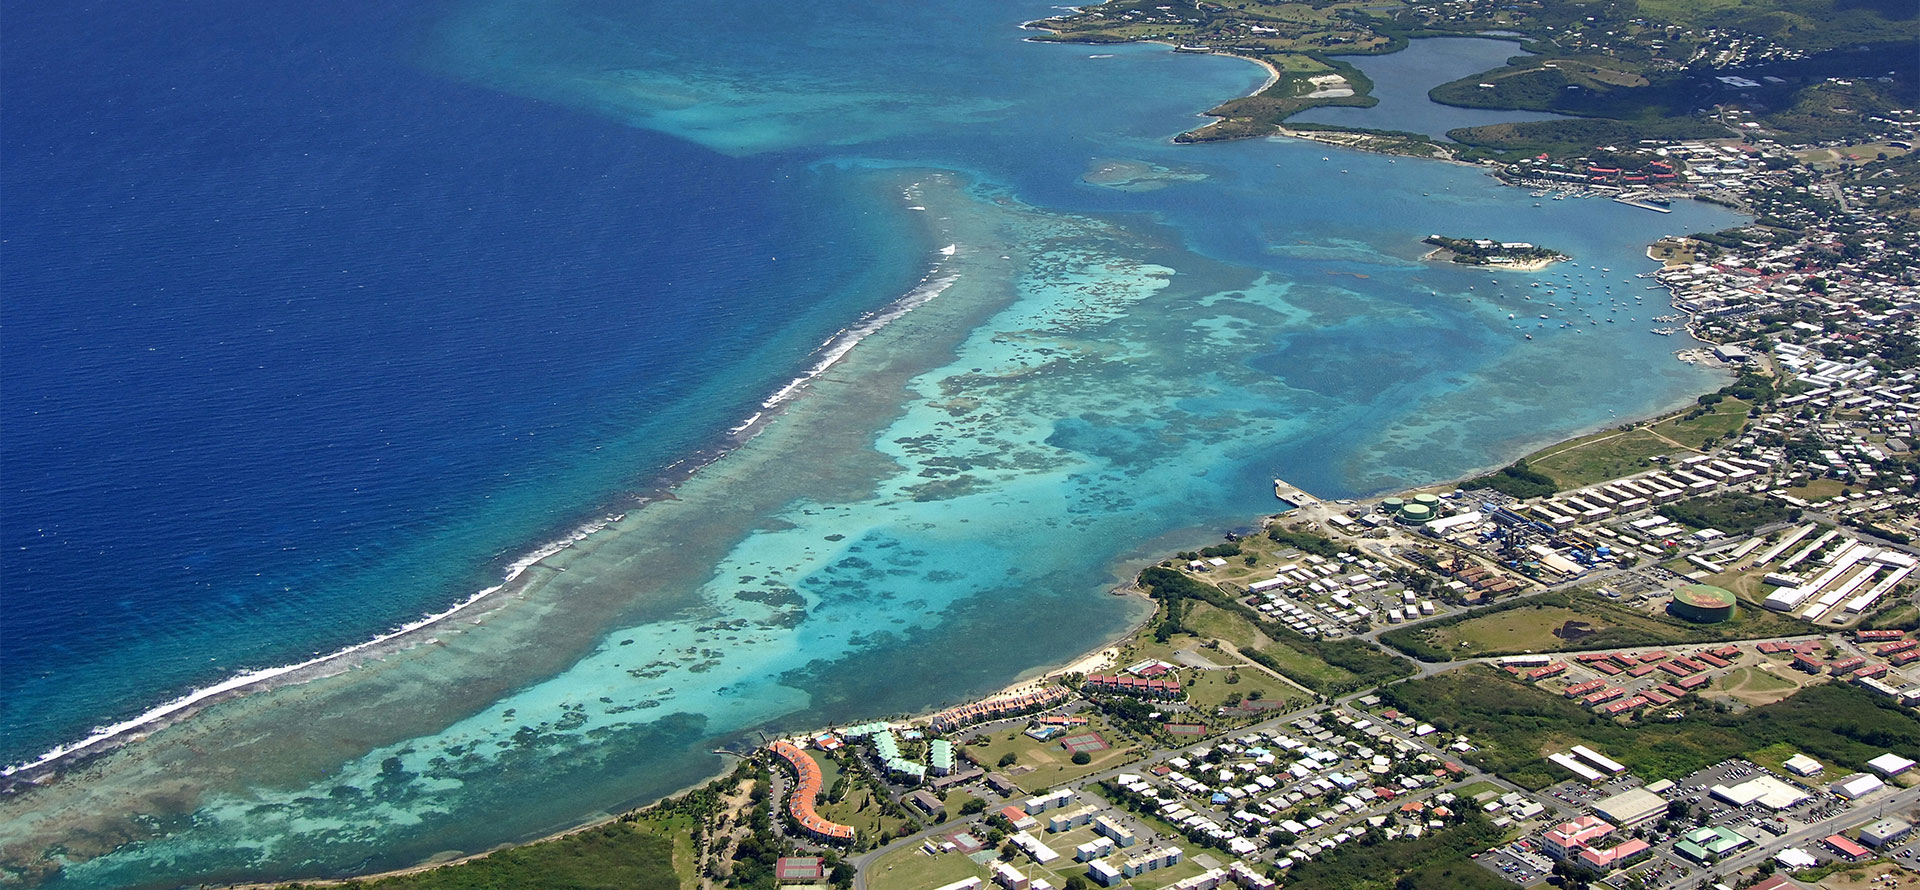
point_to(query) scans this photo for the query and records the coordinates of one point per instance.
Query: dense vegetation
(1304, 542)
(1515, 481)
(1820, 69)
(1468, 251)
(615, 856)
(1435, 861)
(1610, 626)
(1733, 513)
(1577, 136)
(1511, 724)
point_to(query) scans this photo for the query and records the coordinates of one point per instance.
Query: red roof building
(1605, 695)
(1580, 689)
(1136, 686)
(1555, 669)
(1847, 848)
(1621, 707)
(807, 787)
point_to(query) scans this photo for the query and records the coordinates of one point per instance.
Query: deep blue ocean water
(315, 319)
(302, 340)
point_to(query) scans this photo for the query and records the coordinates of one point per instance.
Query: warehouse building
(1632, 808)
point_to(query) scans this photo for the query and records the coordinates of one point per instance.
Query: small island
(1520, 255)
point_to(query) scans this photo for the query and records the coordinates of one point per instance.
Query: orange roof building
(806, 787)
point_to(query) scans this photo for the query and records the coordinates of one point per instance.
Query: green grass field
(1476, 789)
(1610, 455)
(1209, 689)
(1215, 623)
(1306, 669)
(1051, 763)
(641, 855)
(1755, 679)
(829, 768)
(955, 800)
(1728, 416)
(861, 808)
(1818, 489)
(910, 869)
(1530, 627)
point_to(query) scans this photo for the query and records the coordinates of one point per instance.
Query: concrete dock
(1292, 495)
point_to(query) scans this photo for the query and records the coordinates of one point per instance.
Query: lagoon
(946, 385)
(1401, 81)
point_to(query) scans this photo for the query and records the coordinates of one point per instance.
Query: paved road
(1812, 833)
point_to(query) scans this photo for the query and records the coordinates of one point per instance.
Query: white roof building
(1857, 786)
(1794, 858)
(1890, 764)
(1802, 765)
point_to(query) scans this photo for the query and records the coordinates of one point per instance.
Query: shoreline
(51, 765)
(1099, 656)
(490, 599)
(1103, 655)
(1273, 72)
(1443, 255)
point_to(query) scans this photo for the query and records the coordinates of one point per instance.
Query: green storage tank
(1702, 603)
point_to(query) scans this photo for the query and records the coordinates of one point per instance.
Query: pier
(1644, 201)
(1292, 495)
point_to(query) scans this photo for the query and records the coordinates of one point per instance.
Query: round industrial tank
(1428, 501)
(1702, 603)
(1393, 505)
(1416, 513)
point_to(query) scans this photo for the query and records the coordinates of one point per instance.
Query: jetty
(1644, 201)
(1292, 494)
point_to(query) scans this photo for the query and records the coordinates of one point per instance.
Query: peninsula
(1805, 70)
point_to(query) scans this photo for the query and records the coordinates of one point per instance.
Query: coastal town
(1716, 656)
(1681, 653)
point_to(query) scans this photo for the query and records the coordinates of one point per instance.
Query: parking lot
(1520, 862)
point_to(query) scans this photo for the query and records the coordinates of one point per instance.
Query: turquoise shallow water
(1092, 367)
